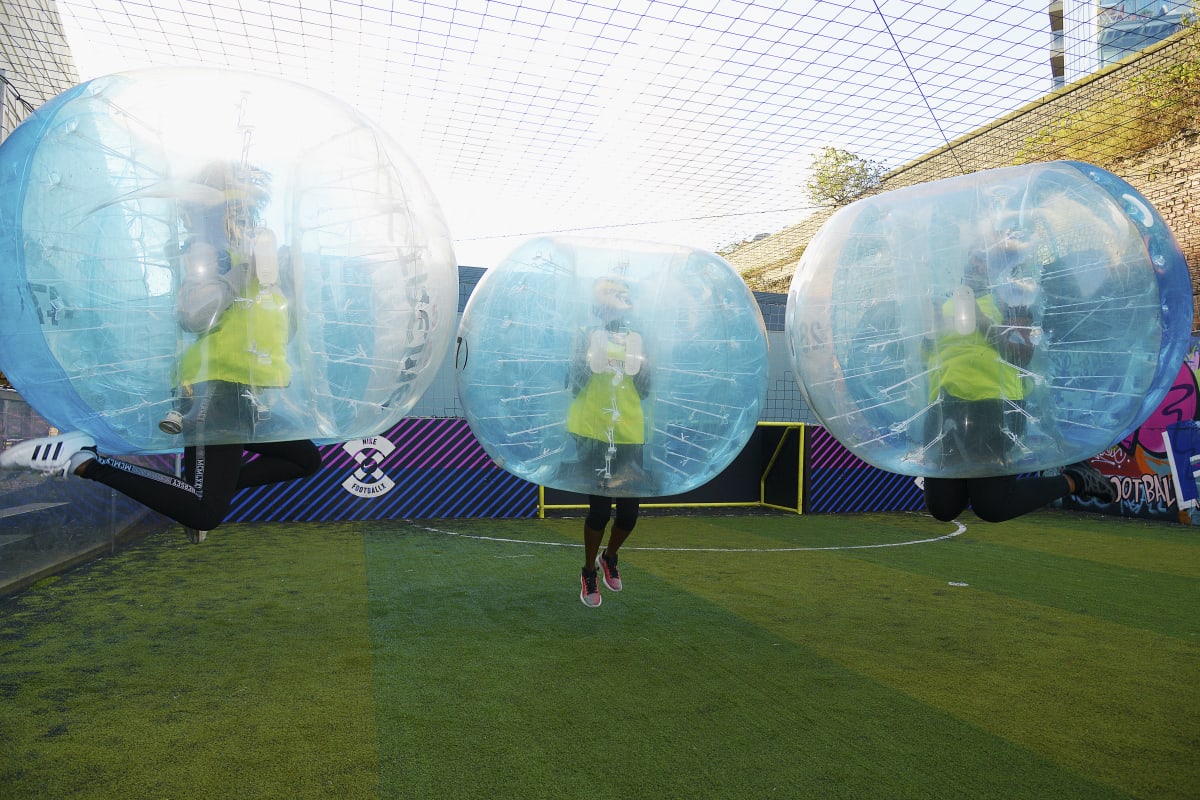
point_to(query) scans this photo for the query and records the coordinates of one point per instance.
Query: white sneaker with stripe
(49, 454)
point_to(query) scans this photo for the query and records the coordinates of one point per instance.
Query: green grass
(240, 668)
(750, 656)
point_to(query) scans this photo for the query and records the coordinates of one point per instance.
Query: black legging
(212, 475)
(600, 511)
(992, 499)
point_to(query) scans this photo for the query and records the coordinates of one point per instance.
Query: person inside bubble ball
(977, 363)
(610, 378)
(230, 299)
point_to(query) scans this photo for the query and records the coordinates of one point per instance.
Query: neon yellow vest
(969, 367)
(608, 402)
(248, 344)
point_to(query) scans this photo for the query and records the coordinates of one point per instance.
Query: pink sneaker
(606, 565)
(589, 593)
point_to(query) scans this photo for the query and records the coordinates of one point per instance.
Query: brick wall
(1167, 173)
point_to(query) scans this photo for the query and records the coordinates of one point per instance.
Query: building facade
(35, 61)
(1089, 35)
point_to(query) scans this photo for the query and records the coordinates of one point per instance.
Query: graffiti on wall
(1141, 464)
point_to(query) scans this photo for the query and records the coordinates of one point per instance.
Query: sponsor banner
(427, 468)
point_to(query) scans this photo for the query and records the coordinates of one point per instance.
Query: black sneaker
(1089, 482)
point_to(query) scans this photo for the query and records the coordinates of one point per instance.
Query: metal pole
(3, 106)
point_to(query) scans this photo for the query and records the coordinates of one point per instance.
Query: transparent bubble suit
(1062, 269)
(612, 367)
(93, 190)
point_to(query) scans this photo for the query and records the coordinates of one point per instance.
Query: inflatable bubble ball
(172, 234)
(616, 368)
(1003, 322)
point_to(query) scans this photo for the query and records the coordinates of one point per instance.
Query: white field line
(959, 529)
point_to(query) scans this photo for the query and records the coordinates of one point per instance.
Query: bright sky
(691, 121)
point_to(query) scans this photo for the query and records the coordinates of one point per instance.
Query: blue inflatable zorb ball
(1002, 322)
(623, 369)
(165, 229)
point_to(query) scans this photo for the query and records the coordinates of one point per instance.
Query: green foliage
(1172, 91)
(1141, 112)
(839, 177)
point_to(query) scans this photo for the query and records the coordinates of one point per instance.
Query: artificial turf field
(857, 656)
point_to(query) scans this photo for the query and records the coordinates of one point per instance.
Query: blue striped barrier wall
(434, 468)
(423, 468)
(837, 481)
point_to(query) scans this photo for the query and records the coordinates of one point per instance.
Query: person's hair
(237, 180)
(609, 280)
(245, 190)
